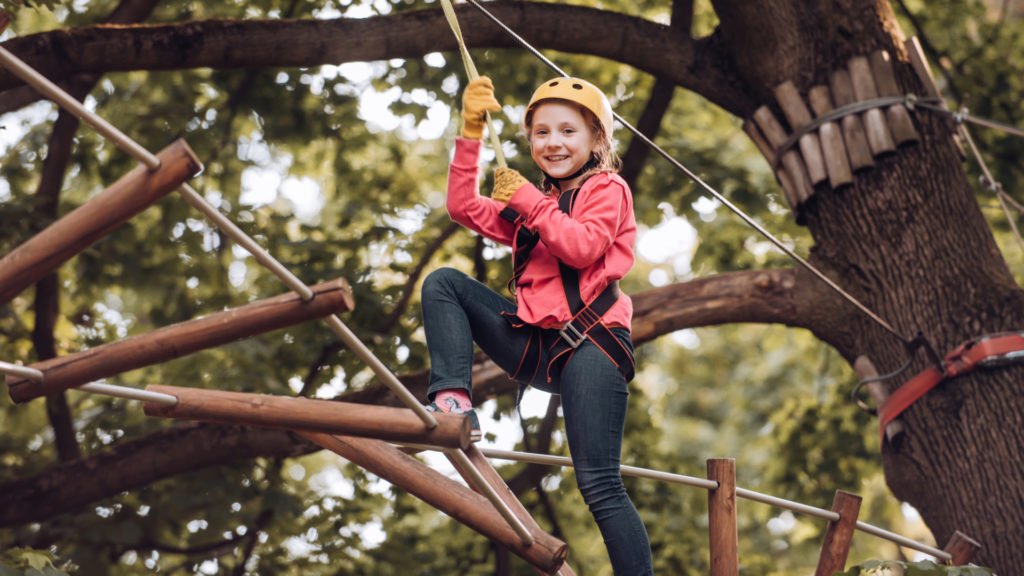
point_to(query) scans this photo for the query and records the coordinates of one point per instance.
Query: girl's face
(561, 140)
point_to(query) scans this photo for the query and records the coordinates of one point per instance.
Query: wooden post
(328, 417)
(839, 535)
(962, 548)
(866, 369)
(722, 531)
(788, 189)
(832, 146)
(79, 229)
(903, 131)
(776, 136)
(798, 116)
(879, 137)
(181, 339)
(547, 553)
(853, 129)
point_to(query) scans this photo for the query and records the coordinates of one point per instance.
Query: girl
(568, 331)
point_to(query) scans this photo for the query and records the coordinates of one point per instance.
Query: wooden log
(879, 137)
(854, 135)
(722, 531)
(776, 135)
(962, 548)
(788, 189)
(900, 123)
(835, 548)
(547, 553)
(798, 116)
(79, 229)
(181, 339)
(876, 390)
(325, 416)
(832, 147)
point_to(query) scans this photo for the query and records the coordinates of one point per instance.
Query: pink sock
(455, 400)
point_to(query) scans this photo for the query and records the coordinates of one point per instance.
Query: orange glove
(477, 100)
(506, 182)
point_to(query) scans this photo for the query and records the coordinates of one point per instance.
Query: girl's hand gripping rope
(477, 100)
(506, 182)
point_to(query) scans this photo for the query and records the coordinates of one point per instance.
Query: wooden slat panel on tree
(182, 339)
(547, 553)
(103, 213)
(267, 411)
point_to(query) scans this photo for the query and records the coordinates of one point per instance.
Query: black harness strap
(586, 321)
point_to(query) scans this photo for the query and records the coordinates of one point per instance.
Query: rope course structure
(364, 434)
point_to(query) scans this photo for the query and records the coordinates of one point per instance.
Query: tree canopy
(324, 128)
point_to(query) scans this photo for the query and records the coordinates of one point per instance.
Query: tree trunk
(908, 239)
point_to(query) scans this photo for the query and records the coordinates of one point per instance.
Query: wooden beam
(181, 339)
(722, 531)
(547, 553)
(839, 535)
(328, 417)
(84, 226)
(962, 548)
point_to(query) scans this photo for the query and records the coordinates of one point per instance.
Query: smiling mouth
(556, 158)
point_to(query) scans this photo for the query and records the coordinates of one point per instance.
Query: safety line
(148, 159)
(710, 190)
(471, 72)
(637, 472)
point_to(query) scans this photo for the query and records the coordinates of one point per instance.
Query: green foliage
(292, 158)
(923, 568)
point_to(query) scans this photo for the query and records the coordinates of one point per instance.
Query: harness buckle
(572, 335)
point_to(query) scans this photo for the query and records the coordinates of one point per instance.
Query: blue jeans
(458, 310)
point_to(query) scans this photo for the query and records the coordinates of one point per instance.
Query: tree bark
(908, 239)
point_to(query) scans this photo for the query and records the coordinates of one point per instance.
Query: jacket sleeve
(578, 241)
(465, 204)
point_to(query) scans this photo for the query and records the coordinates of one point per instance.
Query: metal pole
(66, 101)
(480, 484)
(55, 93)
(21, 371)
(130, 393)
(710, 485)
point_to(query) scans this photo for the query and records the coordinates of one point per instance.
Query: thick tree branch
(660, 50)
(758, 296)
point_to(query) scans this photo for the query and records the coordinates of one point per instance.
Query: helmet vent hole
(553, 84)
(577, 86)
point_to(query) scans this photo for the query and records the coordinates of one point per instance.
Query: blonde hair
(602, 154)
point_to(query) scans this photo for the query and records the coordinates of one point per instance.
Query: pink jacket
(597, 240)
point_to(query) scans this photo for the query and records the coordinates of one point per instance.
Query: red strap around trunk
(964, 359)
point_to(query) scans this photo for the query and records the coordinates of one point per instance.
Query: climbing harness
(585, 323)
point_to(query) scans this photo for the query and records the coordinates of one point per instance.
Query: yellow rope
(449, 13)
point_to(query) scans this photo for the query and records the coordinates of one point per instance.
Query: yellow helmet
(579, 91)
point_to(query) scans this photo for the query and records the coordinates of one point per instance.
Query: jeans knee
(441, 281)
(600, 486)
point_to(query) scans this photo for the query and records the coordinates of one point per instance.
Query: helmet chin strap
(592, 163)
